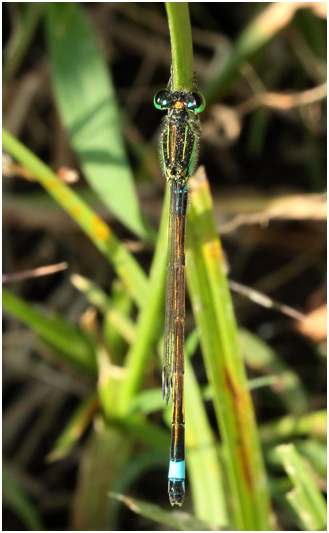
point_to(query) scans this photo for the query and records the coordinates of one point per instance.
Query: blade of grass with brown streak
(214, 316)
(100, 234)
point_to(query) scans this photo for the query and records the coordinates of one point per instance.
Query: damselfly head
(165, 99)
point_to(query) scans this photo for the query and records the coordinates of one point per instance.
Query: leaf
(27, 19)
(149, 319)
(88, 108)
(15, 498)
(74, 429)
(67, 341)
(310, 424)
(253, 37)
(100, 234)
(204, 470)
(105, 457)
(306, 499)
(177, 520)
(260, 357)
(103, 303)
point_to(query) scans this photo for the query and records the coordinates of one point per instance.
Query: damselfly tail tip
(176, 490)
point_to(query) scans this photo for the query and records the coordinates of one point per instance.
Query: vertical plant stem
(181, 45)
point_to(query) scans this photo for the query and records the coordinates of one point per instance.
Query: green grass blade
(67, 341)
(123, 306)
(305, 498)
(143, 431)
(214, 316)
(290, 426)
(181, 45)
(74, 429)
(260, 357)
(102, 302)
(138, 466)
(253, 37)
(177, 520)
(147, 401)
(29, 14)
(202, 457)
(150, 317)
(316, 453)
(104, 458)
(88, 108)
(100, 234)
(15, 498)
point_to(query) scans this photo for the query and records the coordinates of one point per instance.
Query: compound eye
(196, 102)
(162, 99)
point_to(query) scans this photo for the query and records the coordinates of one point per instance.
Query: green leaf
(100, 234)
(104, 459)
(143, 431)
(15, 498)
(138, 466)
(177, 520)
(264, 27)
(88, 108)
(123, 305)
(260, 357)
(29, 14)
(311, 424)
(67, 341)
(149, 319)
(74, 429)
(306, 499)
(147, 401)
(102, 302)
(202, 457)
(316, 453)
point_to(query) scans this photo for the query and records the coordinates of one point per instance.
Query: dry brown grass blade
(315, 324)
(283, 101)
(279, 14)
(34, 273)
(260, 210)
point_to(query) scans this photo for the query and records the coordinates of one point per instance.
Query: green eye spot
(200, 102)
(162, 99)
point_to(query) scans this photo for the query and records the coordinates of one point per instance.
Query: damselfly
(178, 149)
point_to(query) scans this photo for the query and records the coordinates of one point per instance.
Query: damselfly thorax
(180, 133)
